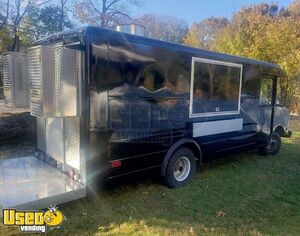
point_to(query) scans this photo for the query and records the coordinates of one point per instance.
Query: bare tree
(62, 13)
(104, 13)
(20, 8)
(168, 28)
(5, 15)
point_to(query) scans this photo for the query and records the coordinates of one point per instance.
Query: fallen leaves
(220, 214)
(192, 231)
(104, 228)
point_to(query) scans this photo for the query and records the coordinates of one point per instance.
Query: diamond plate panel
(29, 183)
(55, 81)
(7, 84)
(67, 82)
(15, 79)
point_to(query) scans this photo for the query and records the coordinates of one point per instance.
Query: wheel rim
(182, 168)
(272, 144)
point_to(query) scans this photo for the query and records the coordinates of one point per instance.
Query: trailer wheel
(180, 168)
(273, 146)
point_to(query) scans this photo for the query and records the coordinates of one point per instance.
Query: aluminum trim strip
(201, 129)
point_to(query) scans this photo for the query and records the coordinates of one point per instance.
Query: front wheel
(273, 146)
(181, 168)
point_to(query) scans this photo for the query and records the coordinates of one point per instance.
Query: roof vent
(135, 29)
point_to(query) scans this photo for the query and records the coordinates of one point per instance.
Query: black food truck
(110, 103)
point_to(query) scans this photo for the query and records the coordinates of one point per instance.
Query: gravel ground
(16, 126)
(22, 147)
(17, 135)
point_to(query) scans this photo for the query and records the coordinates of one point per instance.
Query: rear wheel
(273, 146)
(181, 168)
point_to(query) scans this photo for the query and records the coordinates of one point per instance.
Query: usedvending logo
(33, 221)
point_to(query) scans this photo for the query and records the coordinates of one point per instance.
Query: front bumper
(287, 134)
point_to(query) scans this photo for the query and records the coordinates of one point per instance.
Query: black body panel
(138, 95)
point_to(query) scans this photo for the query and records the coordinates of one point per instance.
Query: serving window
(215, 88)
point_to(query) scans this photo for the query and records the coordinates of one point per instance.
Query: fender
(283, 132)
(175, 146)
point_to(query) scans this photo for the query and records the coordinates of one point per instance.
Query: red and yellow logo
(33, 221)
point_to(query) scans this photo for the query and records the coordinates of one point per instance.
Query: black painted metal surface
(137, 94)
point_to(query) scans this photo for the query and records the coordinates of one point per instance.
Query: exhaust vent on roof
(132, 29)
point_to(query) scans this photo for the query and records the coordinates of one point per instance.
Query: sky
(197, 10)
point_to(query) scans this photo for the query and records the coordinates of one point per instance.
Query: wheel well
(189, 143)
(194, 149)
(279, 130)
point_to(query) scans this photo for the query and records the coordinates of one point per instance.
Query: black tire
(177, 160)
(273, 147)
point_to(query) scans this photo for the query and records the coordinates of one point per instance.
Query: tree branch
(111, 4)
(94, 7)
(116, 12)
(24, 12)
(6, 17)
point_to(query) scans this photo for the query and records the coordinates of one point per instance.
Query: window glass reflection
(216, 88)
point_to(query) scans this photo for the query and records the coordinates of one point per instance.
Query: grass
(258, 195)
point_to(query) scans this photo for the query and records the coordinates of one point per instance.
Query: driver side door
(266, 105)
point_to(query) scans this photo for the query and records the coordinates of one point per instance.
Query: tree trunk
(61, 27)
(104, 10)
(15, 44)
